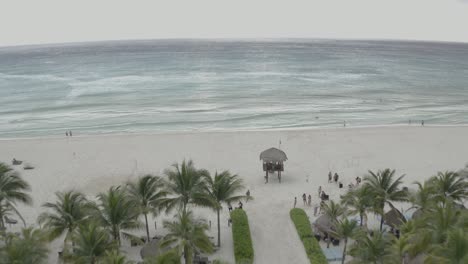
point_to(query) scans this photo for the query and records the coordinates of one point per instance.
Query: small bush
(311, 245)
(243, 249)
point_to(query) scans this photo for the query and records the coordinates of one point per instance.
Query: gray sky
(55, 21)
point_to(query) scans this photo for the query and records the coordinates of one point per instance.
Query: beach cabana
(324, 224)
(394, 218)
(273, 159)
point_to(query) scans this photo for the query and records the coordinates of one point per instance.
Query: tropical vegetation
(93, 228)
(224, 188)
(304, 230)
(243, 247)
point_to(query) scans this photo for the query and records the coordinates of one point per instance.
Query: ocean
(163, 86)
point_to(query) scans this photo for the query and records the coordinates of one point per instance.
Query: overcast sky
(56, 21)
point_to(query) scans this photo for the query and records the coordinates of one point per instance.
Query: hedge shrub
(311, 245)
(243, 249)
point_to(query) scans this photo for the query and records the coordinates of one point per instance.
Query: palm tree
(358, 201)
(398, 251)
(12, 190)
(67, 212)
(370, 248)
(114, 257)
(450, 185)
(169, 257)
(147, 193)
(188, 234)
(333, 210)
(385, 190)
(186, 185)
(346, 229)
(91, 243)
(223, 188)
(454, 251)
(116, 212)
(422, 199)
(437, 223)
(28, 247)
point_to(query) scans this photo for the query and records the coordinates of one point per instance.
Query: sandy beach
(92, 164)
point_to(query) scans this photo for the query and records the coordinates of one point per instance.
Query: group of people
(422, 122)
(358, 181)
(240, 205)
(68, 133)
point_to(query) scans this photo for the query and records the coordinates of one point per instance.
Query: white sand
(92, 164)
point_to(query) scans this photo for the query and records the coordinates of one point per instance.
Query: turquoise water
(187, 85)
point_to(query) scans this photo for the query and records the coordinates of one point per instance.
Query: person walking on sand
(336, 177)
(70, 133)
(329, 176)
(295, 202)
(304, 198)
(320, 191)
(309, 201)
(422, 122)
(66, 133)
(247, 194)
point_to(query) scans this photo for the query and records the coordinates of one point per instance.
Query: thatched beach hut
(273, 159)
(394, 218)
(324, 224)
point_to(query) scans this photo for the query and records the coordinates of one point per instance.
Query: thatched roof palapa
(394, 218)
(324, 224)
(273, 155)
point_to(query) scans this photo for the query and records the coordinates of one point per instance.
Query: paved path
(274, 237)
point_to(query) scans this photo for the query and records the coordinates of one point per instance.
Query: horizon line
(233, 39)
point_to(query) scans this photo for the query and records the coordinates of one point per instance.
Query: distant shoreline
(240, 39)
(232, 131)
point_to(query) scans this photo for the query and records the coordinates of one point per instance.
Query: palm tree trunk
(147, 229)
(188, 255)
(2, 224)
(116, 234)
(219, 230)
(344, 251)
(381, 222)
